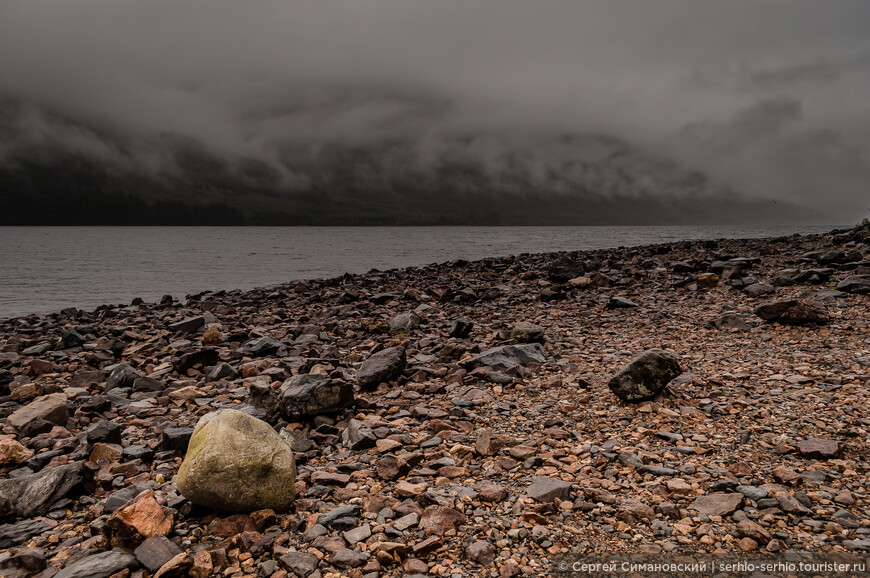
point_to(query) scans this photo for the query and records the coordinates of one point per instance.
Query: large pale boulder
(237, 463)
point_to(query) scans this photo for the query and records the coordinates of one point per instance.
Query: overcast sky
(770, 97)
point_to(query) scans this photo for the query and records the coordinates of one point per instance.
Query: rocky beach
(479, 418)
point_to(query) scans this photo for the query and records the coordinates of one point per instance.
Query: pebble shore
(426, 453)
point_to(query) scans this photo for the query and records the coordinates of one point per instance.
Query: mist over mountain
(403, 113)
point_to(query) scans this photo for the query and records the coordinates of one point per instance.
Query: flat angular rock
(507, 356)
(265, 346)
(717, 504)
(205, 357)
(819, 449)
(100, 565)
(51, 407)
(32, 495)
(123, 375)
(358, 534)
(188, 325)
(859, 284)
(544, 489)
(620, 303)
(20, 532)
(237, 463)
(121, 497)
(461, 328)
(156, 551)
(358, 436)
(794, 312)
(105, 431)
(645, 376)
(299, 563)
(386, 365)
(346, 511)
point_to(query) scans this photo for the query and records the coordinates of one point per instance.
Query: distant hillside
(74, 174)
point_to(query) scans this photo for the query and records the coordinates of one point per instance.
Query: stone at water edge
(237, 463)
(645, 376)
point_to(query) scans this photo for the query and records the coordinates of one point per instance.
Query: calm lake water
(44, 269)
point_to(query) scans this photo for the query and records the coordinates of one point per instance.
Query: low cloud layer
(766, 98)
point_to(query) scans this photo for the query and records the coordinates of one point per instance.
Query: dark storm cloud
(765, 96)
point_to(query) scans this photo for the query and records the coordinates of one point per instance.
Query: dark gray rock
(299, 563)
(620, 303)
(461, 328)
(544, 489)
(100, 565)
(346, 511)
(265, 346)
(752, 492)
(123, 375)
(310, 395)
(14, 534)
(645, 376)
(204, 357)
(507, 356)
(108, 432)
(220, 371)
(23, 563)
(794, 312)
(72, 338)
(358, 436)
(121, 497)
(188, 325)
(855, 284)
(139, 452)
(33, 495)
(148, 384)
(176, 438)
(385, 365)
(156, 551)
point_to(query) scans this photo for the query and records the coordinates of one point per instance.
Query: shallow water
(44, 269)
